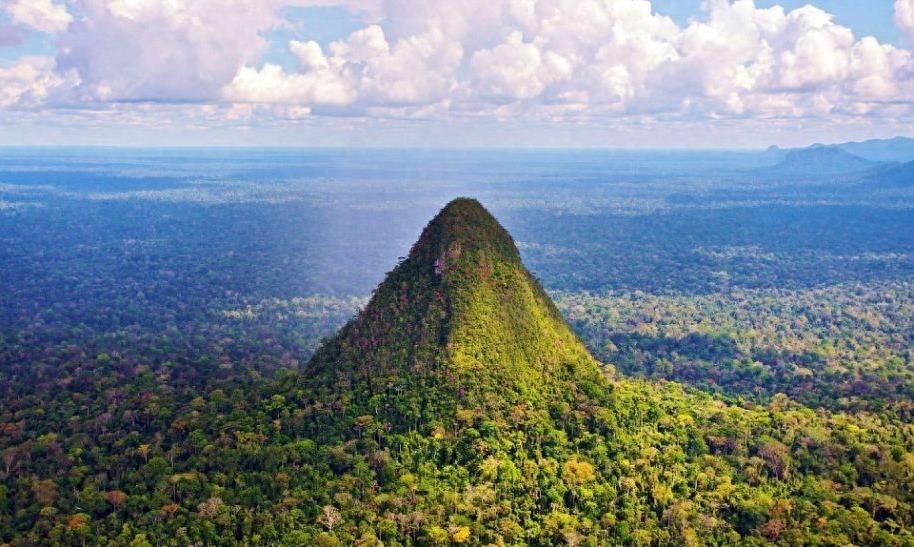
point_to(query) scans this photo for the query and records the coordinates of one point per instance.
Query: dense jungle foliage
(157, 385)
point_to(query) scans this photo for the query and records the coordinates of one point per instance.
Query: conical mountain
(460, 322)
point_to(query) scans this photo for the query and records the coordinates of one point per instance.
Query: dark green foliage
(459, 319)
(457, 408)
(847, 347)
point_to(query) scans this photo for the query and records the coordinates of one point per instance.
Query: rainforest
(455, 347)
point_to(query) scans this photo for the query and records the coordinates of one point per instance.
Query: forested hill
(821, 160)
(460, 319)
(456, 409)
(895, 176)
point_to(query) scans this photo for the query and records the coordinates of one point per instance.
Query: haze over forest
(425, 273)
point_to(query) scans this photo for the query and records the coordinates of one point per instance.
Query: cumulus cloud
(516, 69)
(175, 50)
(586, 57)
(29, 82)
(309, 54)
(745, 60)
(43, 15)
(364, 70)
(545, 58)
(904, 16)
(271, 84)
(601, 54)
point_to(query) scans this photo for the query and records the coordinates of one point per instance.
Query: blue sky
(865, 17)
(605, 73)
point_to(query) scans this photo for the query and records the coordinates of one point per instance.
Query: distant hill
(773, 155)
(820, 160)
(898, 149)
(893, 176)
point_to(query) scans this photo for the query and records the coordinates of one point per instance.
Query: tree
(116, 498)
(777, 457)
(460, 534)
(78, 526)
(330, 518)
(210, 508)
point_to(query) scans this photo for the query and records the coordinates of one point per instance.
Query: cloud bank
(560, 59)
(42, 15)
(552, 60)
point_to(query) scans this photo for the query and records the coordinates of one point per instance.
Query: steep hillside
(460, 319)
(481, 419)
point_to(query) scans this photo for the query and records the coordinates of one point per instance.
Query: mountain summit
(459, 322)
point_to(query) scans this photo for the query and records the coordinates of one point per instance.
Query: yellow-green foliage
(491, 424)
(459, 319)
(456, 409)
(506, 331)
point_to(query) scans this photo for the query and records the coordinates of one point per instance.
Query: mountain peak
(460, 322)
(463, 225)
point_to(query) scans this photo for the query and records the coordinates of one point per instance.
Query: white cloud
(364, 70)
(904, 16)
(594, 57)
(777, 63)
(518, 70)
(547, 59)
(601, 52)
(271, 84)
(43, 15)
(309, 54)
(163, 50)
(29, 82)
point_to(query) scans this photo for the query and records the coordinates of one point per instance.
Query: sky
(439, 73)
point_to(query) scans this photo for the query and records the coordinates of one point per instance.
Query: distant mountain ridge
(820, 161)
(893, 176)
(894, 150)
(898, 149)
